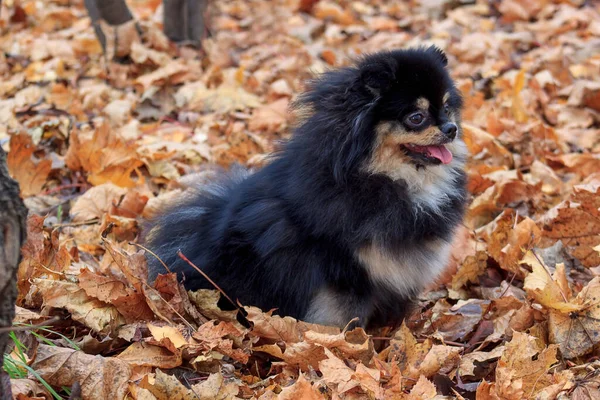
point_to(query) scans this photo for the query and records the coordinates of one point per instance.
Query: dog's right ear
(378, 76)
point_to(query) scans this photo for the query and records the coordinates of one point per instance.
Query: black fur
(274, 238)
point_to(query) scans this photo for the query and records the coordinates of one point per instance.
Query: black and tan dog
(355, 215)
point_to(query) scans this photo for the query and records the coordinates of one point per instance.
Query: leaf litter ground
(97, 147)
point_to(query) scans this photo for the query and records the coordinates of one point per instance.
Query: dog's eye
(415, 119)
(447, 109)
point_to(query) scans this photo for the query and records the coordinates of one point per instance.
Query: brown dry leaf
(104, 155)
(585, 93)
(43, 256)
(118, 111)
(482, 145)
(468, 362)
(100, 377)
(30, 174)
(502, 196)
(168, 336)
(334, 11)
(517, 10)
(224, 99)
(423, 389)
(25, 389)
(336, 373)
(206, 301)
(583, 164)
(352, 344)
(270, 117)
(167, 387)
(166, 298)
(25, 316)
(143, 354)
(509, 238)
(577, 332)
(130, 303)
(130, 206)
(219, 338)
(216, 387)
(338, 376)
(303, 355)
(416, 359)
(470, 270)
(162, 75)
(301, 389)
(524, 368)
(460, 320)
(543, 288)
(286, 329)
(93, 313)
(576, 222)
(95, 202)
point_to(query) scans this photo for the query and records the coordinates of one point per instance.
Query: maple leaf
(573, 322)
(104, 155)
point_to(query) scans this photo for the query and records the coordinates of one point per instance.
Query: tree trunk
(12, 235)
(184, 20)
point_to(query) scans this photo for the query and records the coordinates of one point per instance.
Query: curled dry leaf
(130, 303)
(168, 336)
(100, 377)
(95, 202)
(91, 312)
(353, 344)
(141, 354)
(301, 389)
(284, 329)
(43, 256)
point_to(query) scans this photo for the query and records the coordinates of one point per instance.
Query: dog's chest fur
(408, 271)
(410, 268)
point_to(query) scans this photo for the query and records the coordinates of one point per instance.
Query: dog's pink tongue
(441, 153)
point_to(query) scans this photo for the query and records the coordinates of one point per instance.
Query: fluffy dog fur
(355, 215)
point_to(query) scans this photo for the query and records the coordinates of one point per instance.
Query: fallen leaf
(99, 377)
(30, 174)
(91, 312)
(143, 354)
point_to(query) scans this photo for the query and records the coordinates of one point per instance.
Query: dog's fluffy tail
(180, 225)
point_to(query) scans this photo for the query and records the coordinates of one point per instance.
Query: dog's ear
(439, 54)
(378, 75)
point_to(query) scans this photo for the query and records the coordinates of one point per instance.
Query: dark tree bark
(184, 20)
(12, 235)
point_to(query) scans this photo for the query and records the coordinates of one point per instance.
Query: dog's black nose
(449, 129)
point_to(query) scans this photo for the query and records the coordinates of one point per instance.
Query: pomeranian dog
(353, 217)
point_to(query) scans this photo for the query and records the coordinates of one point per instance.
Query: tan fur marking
(422, 103)
(446, 97)
(410, 272)
(429, 187)
(388, 156)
